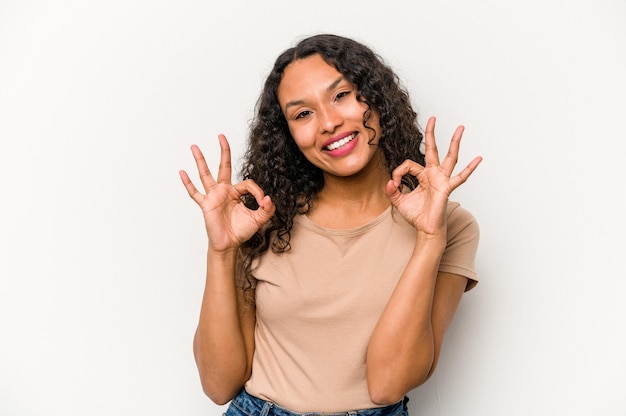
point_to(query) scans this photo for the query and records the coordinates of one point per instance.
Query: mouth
(340, 143)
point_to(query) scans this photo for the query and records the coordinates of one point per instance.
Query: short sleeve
(459, 256)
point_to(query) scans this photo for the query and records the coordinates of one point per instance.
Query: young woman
(335, 267)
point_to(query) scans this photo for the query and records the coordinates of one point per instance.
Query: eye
(342, 94)
(302, 114)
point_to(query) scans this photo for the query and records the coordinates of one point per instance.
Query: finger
(462, 176)
(266, 206)
(250, 187)
(430, 146)
(265, 211)
(225, 170)
(189, 186)
(203, 170)
(452, 157)
(408, 167)
(392, 192)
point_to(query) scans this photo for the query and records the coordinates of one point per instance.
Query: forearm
(219, 343)
(401, 350)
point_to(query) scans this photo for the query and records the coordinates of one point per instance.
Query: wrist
(222, 253)
(430, 242)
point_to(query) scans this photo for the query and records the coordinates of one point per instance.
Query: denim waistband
(253, 406)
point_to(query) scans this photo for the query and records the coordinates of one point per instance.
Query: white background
(102, 251)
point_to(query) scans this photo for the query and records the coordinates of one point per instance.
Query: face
(326, 119)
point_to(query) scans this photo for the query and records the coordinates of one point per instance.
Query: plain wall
(102, 251)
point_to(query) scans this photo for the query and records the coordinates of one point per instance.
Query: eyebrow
(332, 86)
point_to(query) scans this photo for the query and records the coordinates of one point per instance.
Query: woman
(335, 267)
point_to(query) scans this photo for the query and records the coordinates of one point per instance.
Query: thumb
(266, 209)
(392, 192)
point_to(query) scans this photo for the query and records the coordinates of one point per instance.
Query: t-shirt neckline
(308, 223)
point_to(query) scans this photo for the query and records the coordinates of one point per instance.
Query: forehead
(305, 76)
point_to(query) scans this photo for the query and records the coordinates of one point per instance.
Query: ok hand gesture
(229, 223)
(425, 207)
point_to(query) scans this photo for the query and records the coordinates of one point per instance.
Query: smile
(341, 142)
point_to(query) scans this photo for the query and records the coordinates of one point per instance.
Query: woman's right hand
(229, 223)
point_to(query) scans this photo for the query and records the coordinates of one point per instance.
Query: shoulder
(462, 245)
(460, 220)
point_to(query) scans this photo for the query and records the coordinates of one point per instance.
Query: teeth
(342, 142)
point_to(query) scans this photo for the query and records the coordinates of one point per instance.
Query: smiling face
(326, 119)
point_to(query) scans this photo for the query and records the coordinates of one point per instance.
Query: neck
(348, 202)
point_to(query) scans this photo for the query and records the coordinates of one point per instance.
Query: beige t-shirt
(318, 303)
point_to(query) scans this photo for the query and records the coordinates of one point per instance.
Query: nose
(329, 119)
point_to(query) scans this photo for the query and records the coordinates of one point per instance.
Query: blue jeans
(247, 405)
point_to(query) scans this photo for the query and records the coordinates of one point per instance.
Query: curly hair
(275, 163)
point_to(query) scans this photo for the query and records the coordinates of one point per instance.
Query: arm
(401, 351)
(449, 289)
(405, 350)
(406, 342)
(224, 339)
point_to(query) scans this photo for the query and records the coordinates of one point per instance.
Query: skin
(320, 107)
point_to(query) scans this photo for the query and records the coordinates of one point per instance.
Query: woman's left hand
(425, 206)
